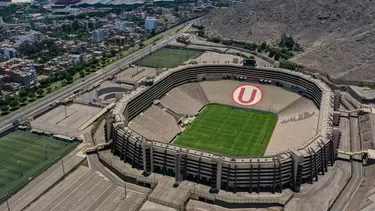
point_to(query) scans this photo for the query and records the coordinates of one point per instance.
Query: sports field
(168, 58)
(229, 131)
(24, 155)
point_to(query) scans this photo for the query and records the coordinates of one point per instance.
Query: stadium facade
(287, 169)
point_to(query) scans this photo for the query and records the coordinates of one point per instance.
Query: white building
(120, 25)
(77, 58)
(9, 52)
(32, 37)
(99, 35)
(151, 23)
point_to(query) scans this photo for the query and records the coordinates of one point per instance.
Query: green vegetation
(168, 58)
(8, 11)
(289, 43)
(25, 155)
(285, 50)
(75, 32)
(63, 78)
(288, 65)
(229, 131)
(42, 51)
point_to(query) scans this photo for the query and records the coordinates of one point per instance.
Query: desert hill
(338, 35)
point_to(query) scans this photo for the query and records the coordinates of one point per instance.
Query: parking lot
(65, 120)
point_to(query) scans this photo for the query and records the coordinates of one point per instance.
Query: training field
(168, 58)
(24, 155)
(229, 131)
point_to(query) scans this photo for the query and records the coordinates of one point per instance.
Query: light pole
(8, 205)
(45, 152)
(66, 115)
(123, 177)
(19, 165)
(62, 164)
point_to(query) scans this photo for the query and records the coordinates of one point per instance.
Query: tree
(40, 92)
(69, 78)
(271, 53)
(23, 100)
(263, 46)
(4, 108)
(141, 45)
(45, 82)
(8, 100)
(95, 61)
(31, 95)
(75, 25)
(82, 74)
(22, 93)
(49, 89)
(14, 103)
(288, 65)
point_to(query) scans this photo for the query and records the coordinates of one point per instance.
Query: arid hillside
(338, 35)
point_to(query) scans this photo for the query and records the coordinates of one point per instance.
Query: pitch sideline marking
(216, 130)
(239, 134)
(192, 131)
(251, 134)
(220, 146)
(256, 143)
(221, 125)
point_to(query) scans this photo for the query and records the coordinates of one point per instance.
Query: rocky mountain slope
(338, 35)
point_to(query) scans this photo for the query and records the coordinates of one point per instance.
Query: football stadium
(230, 127)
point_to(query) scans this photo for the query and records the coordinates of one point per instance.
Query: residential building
(99, 35)
(20, 71)
(77, 58)
(151, 23)
(4, 79)
(32, 37)
(120, 25)
(11, 86)
(9, 52)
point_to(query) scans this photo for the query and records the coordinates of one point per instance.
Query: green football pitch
(24, 155)
(229, 131)
(168, 58)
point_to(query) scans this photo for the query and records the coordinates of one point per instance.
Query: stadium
(230, 127)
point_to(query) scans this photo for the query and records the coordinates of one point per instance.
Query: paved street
(42, 104)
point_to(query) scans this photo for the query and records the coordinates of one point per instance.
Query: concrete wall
(232, 174)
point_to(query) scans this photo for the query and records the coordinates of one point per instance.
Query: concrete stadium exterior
(270, 173)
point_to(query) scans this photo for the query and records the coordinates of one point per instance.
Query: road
(357, 168)
(43, 104)
(12, 24)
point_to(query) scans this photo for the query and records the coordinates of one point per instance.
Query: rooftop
(365, 92)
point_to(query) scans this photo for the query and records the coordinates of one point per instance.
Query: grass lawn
(168, 58)
(23, 155)
(229, 131)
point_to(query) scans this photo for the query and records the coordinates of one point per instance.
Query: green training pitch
(24, 155)
(168, 58)
(229, 131)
